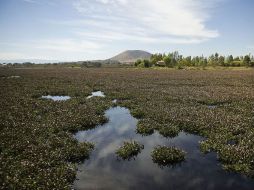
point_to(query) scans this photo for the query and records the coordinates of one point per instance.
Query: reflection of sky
(104, 170)
(97, 93)
(57, 98)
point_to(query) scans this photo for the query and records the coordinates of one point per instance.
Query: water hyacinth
(169, 131)
(129, 150)
(166, 156)
(145, 127)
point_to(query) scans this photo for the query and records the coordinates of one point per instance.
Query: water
(57, 98)
(105, 171)
(212, 106)
(97, 93)
(10, 77)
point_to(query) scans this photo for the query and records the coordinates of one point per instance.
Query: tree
(246, 60)
(237, 58)
(138, 62)
(216, 55)
(202, 61)
(155, 58)
(221, 61)
(211, 60)
(173, 62)
(195, 61)
(146, 63)
(230, 60)
(167, 61)
(188, 61)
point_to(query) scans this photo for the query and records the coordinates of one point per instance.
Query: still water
(96, 94)
(105, 171)
(57, 98)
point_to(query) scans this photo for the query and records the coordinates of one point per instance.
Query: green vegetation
(37, 149)
(166, 156)
(148, 126)
(169, 131)
(129, 149)
(175, 60)
(145, 127)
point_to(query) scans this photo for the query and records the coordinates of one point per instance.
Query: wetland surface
(105, 171)
(208, 113)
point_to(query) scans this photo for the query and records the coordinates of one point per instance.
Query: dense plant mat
(37, 149)
(167, 156)
(129, 150)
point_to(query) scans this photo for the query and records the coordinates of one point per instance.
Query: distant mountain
(130, 56)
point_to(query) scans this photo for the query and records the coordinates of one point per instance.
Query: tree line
(174, 59)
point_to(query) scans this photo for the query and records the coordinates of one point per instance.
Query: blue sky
(68, 30)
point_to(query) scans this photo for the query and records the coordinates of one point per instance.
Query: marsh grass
(129, 150)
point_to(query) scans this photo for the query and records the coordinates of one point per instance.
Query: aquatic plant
(145, 127)
(129, 149)
(169, 131)
(137, 113)
(165, 156)
(35, 133)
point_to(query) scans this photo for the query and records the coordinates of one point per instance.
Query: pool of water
(57, 98)
(212, 106)
(10, 77)
(97, 93)
(105, 171)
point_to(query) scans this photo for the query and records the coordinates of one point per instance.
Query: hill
(131, 56)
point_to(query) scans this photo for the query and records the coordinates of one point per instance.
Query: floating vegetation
(211, 104)
(166, 156)
(129, 149)
(137, 113)
(169, 131)
(96, 94)
(205, 147)
(57, 98)
(145, 127)
(36, 134)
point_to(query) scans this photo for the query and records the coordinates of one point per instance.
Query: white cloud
(115, 25)
(164, 21)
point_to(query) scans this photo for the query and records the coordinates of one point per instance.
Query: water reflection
(212, 106)
(11, 77)
(97, 93)
(57, 98)
(104, 171)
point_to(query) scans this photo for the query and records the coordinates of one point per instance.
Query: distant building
(161, 63)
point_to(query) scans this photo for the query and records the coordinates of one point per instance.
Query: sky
(72, 30)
